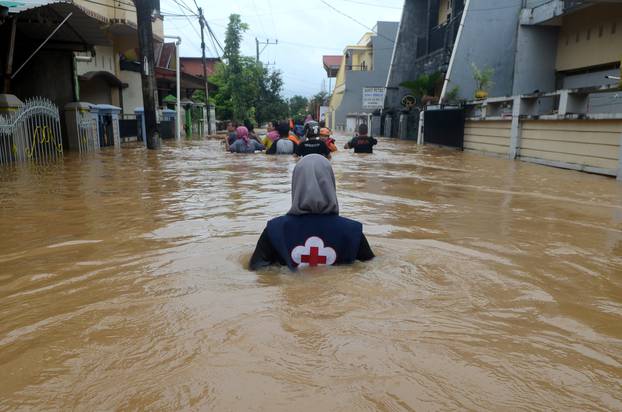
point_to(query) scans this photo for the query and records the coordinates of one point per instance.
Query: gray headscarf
(313, 187)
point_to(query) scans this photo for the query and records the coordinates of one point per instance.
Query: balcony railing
(357, 68)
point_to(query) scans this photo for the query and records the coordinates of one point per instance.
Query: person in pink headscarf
(308, 119)
(270, 138)
(244, 144)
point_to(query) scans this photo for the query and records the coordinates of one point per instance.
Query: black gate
(444, 127)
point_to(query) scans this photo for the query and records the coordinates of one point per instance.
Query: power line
(373, 5)
(356, 21)
(182, 5)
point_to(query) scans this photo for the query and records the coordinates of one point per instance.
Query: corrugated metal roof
(23, 5)
(38, 18)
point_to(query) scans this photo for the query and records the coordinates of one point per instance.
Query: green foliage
(483, 78)
(245, 90)
(425, 85)
(320, 99)
(298, 106)
(452, 96)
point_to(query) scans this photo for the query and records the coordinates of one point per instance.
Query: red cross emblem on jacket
(313, 253)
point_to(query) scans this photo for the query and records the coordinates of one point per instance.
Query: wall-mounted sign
(373, 97)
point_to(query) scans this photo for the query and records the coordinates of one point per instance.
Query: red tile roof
(331, 61)
(194, 65)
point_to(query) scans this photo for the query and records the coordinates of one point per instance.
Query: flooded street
(497, 286)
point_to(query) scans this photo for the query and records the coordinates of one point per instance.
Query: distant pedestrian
(270, 138)
(231, 134)
(362, 143)
(244, 144)
(312, 144)
(283, 145)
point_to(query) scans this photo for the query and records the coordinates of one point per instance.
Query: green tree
(298, 106)
(246, 90)
(235, 77)
(319, 99)
(270, 104)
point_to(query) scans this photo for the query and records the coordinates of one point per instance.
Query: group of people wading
(300, 138)
(312, 233)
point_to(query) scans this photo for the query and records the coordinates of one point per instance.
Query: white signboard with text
(373, 97)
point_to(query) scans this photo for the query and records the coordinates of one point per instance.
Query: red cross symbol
(314, 258)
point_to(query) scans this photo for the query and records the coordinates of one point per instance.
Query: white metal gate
(32, 133)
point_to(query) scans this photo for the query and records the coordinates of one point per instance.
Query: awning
(110, 78)
(37, 19)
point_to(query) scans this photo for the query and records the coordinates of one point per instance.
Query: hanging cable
(357, 22)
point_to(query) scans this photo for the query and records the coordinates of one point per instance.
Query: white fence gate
(32, 133)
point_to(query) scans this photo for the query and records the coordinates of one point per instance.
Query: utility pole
(205, 82)
(144, 11)
(265, 43)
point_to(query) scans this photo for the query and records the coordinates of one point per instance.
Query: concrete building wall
(487, 136)
(488, 39)
(536, 52)
(583, 143)
(133, 94)
(587, 145)
(352, 99)
(590, 37)
(104, 60)
(412, 25)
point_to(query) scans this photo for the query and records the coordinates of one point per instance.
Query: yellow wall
(360, 56)
(593, 143)
(575, 51)
(120, 12)
(443, 10)
(340, 82)
(487, 136)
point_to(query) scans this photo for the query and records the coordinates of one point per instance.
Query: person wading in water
(282, 144)
(244, 144)
(312, 144)
(362, 143)
(312, 233)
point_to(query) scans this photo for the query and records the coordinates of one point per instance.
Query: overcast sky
(306, 30)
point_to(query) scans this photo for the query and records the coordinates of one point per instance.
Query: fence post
(515, 133)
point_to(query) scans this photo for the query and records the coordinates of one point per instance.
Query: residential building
(363, 65)
(191, 73)
(424, 45)
(555, 97)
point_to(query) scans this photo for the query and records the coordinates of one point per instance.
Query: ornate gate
(32, 133)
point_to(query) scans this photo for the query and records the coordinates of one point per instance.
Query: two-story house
(363, 65)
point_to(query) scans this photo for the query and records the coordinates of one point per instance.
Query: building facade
(363, 65)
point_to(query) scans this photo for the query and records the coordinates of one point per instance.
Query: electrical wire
(373, 5)
(356, 21)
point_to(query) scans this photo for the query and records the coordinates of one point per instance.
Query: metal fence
(88, 139)
(31, 133)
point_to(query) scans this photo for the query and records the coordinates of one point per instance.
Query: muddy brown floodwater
(498, 286)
